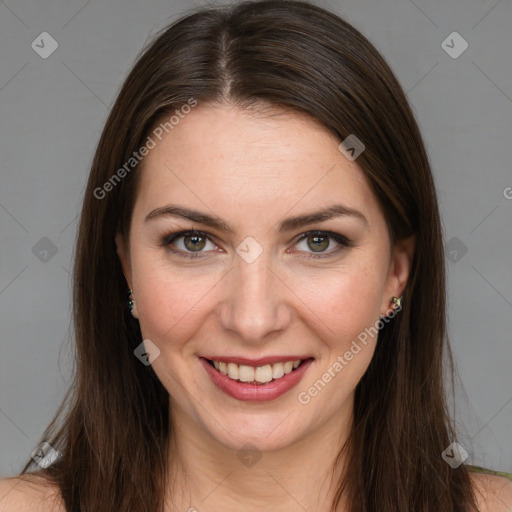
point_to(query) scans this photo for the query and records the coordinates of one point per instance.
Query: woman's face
(291, 261)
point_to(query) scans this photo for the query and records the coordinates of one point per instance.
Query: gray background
(52, 111)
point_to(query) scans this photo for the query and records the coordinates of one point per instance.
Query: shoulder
(29, 493)
(493, 492)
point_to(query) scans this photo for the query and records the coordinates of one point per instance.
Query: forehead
(225, 157)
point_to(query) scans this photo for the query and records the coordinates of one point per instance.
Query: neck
(207, 476)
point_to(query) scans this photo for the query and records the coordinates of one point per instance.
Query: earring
(396, 303)
(131, 302)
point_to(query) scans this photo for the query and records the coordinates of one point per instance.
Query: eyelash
(171, 237)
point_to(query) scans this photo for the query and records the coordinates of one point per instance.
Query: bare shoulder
(493, 492)
(29, 493)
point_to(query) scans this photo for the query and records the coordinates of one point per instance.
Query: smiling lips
(256, 375)
(256, 380)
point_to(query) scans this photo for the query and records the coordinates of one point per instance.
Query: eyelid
(340, 239)
(331, 234)
(179, 233)
(169, 238)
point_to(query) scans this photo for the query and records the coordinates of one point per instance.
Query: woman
(259, 287)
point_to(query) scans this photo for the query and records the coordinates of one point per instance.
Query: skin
(253, 171)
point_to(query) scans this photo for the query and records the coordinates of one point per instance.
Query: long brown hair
(113, 429)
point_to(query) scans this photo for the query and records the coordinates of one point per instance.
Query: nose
(255, 303)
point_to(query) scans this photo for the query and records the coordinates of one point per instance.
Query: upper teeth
(259, 374)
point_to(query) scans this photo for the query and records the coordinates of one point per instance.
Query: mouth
(256, 375)
(260, 380)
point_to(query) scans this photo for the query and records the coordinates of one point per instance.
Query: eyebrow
(286, 225)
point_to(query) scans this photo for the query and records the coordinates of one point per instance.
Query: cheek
(170, 303)
(343, 313)
(346, 300)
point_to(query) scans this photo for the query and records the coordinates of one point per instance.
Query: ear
(400, 265)
(124, 257)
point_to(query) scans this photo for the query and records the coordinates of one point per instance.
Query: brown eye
(194, 242)
(318, 243)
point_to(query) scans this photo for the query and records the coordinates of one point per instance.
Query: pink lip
(256, 392)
